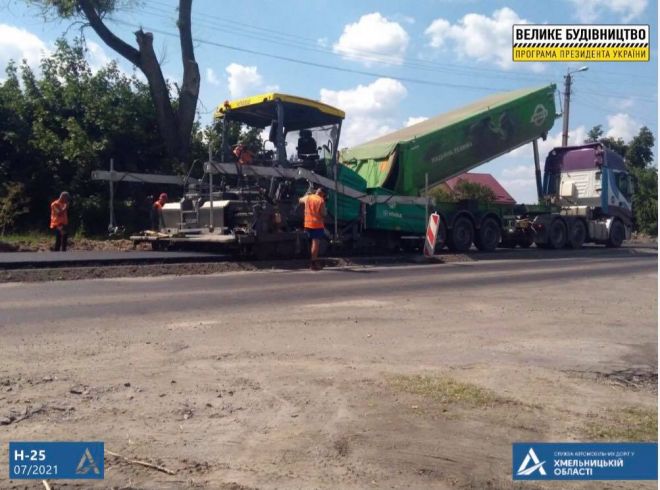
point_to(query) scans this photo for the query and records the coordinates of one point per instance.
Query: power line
(300, 42)
(316, 64)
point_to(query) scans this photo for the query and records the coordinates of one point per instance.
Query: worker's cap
(163, 197)
(321, 190)
(65, 195)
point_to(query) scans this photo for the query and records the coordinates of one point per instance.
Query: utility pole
(111, 226)
(568, 79)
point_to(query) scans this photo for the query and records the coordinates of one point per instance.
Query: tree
(640, 150)
(59, 124)
(175, 121)
(462, 191)
(638, 157)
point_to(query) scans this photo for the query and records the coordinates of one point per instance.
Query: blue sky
(461, 47)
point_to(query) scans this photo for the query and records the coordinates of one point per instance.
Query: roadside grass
(445, 390)
(32, 238)
(628, 424)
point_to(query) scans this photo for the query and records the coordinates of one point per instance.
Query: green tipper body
(348, 209)
(453, 143)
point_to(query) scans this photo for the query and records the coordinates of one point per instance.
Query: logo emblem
(526, 469)
(540, 113)
(87, 464)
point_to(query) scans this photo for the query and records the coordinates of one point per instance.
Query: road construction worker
(243, 154)
(314, 223)
(157, 212)
(59, 220)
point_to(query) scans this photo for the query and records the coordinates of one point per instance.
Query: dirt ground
(360, 378)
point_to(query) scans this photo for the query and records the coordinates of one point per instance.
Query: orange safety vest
(59, 214)
(314, 212)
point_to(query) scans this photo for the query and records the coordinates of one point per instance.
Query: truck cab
(591, 181)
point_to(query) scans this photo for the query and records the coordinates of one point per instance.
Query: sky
(387, 64)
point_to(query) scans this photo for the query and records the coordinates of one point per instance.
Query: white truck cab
(591, 181)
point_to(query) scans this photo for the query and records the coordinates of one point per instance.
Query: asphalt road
(28, 303)
(300, 379)
(77, 258)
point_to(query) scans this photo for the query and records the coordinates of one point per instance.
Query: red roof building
(502, 196)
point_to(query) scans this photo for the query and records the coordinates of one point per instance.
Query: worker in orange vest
(59, 220)
(315, 223)
(157, 212)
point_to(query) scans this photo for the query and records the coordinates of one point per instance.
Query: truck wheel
(461, 235)
(557, 234)
(617, 234)
(577, 235)
(488, 235)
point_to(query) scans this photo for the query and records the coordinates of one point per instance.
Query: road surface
(376, 377)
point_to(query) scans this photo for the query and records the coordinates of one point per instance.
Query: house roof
(502, 196)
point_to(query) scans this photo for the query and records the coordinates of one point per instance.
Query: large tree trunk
(175, 126)
(167, 121)
(189, 92)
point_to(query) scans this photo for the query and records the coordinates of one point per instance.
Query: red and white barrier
(431, 235)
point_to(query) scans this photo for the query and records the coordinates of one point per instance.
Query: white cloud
(370, 109)
(622, 126)
(479, 37)
(211, 77)
(243, 80)
(18, 44)
(372, 39)
(412, 120)
(591, 10)
(96, 56)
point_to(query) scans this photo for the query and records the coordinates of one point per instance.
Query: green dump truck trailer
(408, 161)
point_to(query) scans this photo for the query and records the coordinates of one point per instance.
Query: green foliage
(236, 133)
(638, 155)
(68, 9)
(645, 200)
(59, 124)
(462, 191)
(13, 203)
(640, 150)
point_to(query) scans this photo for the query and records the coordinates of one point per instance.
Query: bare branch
(108, 37)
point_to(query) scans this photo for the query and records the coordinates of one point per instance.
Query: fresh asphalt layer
(29, 303)
(78, 258)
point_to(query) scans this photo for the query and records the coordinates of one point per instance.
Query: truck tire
(617, 234)
(488, 235)
(461, 235)
(557, 234)
(577, 234)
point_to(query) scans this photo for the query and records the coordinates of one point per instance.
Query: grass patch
(444, 390)
(628, 424)
(28, 238)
